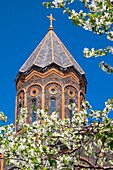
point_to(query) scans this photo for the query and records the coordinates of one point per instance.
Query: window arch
(53, 105)
(33, 110)
(71, 112)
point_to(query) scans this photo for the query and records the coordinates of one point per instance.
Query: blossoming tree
(85, 142)
(51, 143)
(98, 18)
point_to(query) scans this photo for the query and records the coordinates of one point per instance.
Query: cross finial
(51, 19)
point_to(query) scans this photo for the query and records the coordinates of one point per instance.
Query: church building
(50, 78)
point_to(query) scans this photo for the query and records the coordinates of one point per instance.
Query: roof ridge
(52, 47)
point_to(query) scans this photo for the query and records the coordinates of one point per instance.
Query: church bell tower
(50, 78)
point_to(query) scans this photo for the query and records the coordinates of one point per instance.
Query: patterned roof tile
(51, 50)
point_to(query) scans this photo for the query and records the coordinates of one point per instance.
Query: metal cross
(51, 19)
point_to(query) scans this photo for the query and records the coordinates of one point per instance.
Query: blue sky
(23, 24)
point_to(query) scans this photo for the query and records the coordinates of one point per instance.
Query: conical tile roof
(51, 50)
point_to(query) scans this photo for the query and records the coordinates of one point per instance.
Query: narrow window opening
(33, 110)
(20, 105)
(70, 113)
(53, 105)
(81, 100)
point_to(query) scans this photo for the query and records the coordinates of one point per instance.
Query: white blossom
(50, 132)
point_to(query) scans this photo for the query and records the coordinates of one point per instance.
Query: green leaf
(45, 148)
(111, 144)
(52, 162)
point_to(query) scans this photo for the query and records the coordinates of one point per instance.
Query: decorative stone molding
(53, 90)
(71, 93)
(34, 92)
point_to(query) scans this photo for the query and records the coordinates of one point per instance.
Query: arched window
(81, 100)
(33, 110)
(53, 105)
(70, 112)
(20, 105)
(20, 100)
